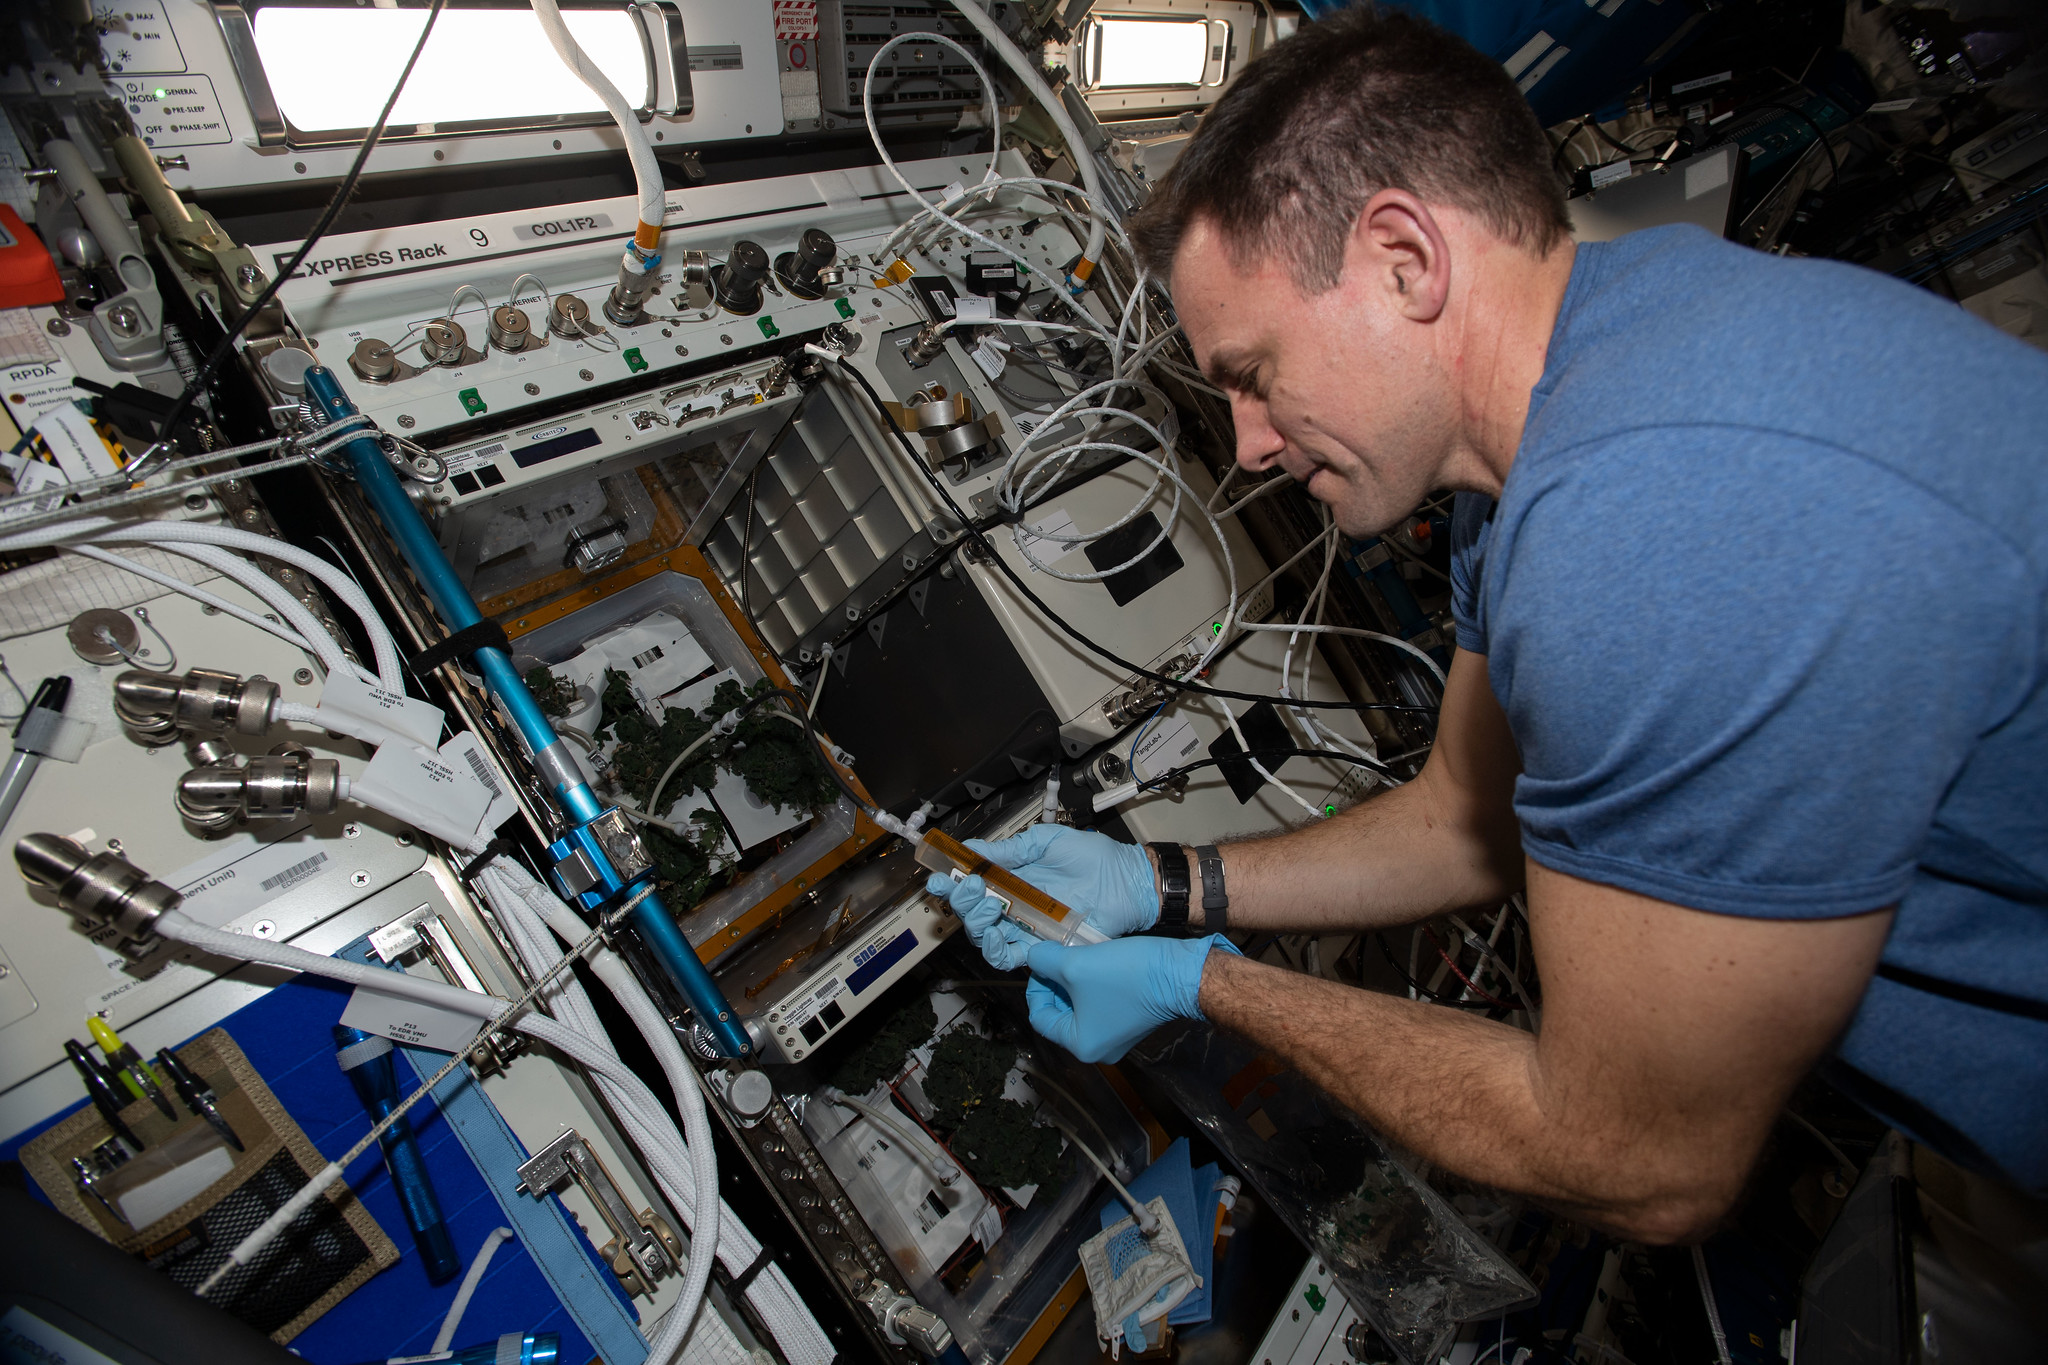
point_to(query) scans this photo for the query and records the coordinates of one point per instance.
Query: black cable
(1072, 632)
(801, 706)
(342, 194)
(747, 546)
(1834, 165)
(1153, 783)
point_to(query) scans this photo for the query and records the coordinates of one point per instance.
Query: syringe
(1023, 904)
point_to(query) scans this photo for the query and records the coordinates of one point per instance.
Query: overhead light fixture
(331, 70)
(1130, 52)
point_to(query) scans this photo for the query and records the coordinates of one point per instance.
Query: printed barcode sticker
(293, 875)
(931, 1211)
(464, 752)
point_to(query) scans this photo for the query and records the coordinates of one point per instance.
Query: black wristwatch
(1174, 887)
(1215, 900)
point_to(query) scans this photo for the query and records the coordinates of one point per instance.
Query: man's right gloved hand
(1109, 882)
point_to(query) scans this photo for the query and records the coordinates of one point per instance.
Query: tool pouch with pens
(185, 1201)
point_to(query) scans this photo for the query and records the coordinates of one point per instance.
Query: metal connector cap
(278, 785)
(98, 889)
(156, 706)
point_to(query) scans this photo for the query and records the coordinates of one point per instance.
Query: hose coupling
(102, 891)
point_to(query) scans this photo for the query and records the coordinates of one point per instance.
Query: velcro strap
(485, 634)
(482, 860)
(746, 1277)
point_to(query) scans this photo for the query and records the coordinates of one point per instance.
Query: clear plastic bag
(1410, 1266)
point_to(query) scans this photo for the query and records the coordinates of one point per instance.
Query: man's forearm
(1400, 857)
(1463, 1092)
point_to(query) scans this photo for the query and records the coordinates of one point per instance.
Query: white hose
(339, 722)
(170, 535)
(196, 593)
(477, 1265)
(525, 906)
(646, 170)
(940, 1168)
(277, 595)
(182, 928)
(1091, 175)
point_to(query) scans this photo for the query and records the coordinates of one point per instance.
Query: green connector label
(845, 307)
(635, 361)
(768, 327)
(1315, 1298)
(472, 402)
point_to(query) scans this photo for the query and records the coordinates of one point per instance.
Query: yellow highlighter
(129, 1066)
(1023, 903)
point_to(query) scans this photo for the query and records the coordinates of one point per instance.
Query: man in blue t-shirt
(1749, 691)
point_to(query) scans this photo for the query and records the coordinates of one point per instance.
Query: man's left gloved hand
(1097, 1001)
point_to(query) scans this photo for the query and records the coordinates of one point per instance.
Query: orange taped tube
(647, 236)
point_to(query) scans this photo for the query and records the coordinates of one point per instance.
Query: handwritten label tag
(973, 308)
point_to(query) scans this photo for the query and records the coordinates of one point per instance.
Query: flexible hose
(341, 723)
(182, 928)
(196, 593)
(170, 534)
(646, 170)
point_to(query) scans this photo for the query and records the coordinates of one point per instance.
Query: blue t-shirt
(1763, 598)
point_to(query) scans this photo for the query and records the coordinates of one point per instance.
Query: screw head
(585, 375)
(57, 327)
(248, 276)
(195, 502)
(351, 830)
(302, 676)
(265, 928)
(532, 390)
(725, 339)
(113, 845)
(405, 419)
(359, 878)
(124, 320)
(682, 350)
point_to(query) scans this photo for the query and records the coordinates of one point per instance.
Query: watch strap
(1215, 899)
(1174, 886)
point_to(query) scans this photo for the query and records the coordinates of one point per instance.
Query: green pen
(129, 1066)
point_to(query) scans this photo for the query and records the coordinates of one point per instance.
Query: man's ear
(1397, 249)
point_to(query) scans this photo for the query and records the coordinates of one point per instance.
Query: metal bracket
(643, 1247)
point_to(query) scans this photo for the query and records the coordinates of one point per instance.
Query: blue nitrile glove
(1109, 883)
(1096, 1001)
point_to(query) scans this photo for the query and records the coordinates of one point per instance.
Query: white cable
(180, 927)
(646, 170)
(171, 534)
(1148, 1222)
(1091, 174)
(1699, 1266)
(941, 1169)
(477, 1265)
(1435, 669)
(195, 592)
(531, 910)
(824, 667)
